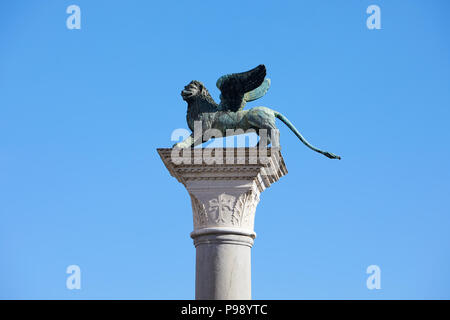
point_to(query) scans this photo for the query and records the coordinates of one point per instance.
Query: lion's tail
(297, 133)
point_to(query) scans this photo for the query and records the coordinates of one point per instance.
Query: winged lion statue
(236, 90)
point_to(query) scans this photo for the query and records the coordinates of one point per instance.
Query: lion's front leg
(189, 142)
(186, 143)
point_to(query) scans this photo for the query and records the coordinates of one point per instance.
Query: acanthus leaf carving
(199, 212)
(245, 207)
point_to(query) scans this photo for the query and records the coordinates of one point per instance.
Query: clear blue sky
(83, 111)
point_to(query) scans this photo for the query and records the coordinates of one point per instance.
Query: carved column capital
(224, 184)
(230, 205)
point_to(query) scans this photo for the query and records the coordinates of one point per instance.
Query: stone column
(224, 186)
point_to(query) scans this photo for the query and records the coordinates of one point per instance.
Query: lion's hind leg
(263, 121)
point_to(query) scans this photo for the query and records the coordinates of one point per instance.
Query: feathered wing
(238, 88)
(258, 92)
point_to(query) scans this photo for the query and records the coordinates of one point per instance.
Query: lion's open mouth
(189, 91)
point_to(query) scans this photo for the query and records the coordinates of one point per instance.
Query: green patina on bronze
(236, 90)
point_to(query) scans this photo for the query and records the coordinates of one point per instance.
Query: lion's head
(195, 89)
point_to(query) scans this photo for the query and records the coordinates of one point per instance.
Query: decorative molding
(265, 166)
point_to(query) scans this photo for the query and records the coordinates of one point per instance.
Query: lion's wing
(233, 88)
(258, 92)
